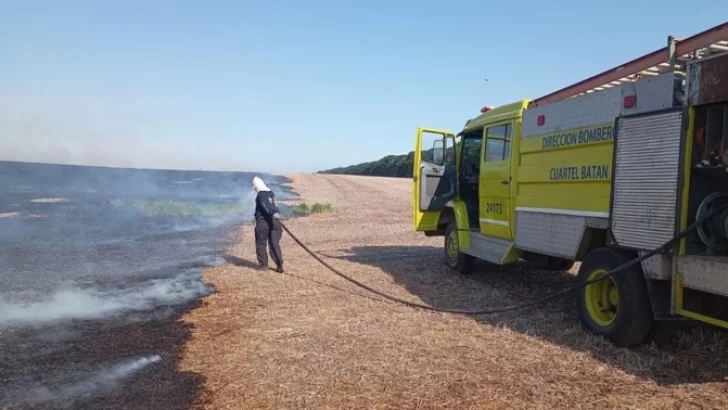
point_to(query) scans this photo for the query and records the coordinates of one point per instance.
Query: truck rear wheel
(616, 307)
(455, 259)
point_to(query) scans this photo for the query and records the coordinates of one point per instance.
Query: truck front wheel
(455, 259)
(616, 307)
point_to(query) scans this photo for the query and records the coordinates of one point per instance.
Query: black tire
(631, 323)
(455, 259)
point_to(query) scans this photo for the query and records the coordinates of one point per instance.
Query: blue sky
(291, 86)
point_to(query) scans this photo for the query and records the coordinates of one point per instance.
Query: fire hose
(634, 262)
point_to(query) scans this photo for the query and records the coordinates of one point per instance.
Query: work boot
(279, 268)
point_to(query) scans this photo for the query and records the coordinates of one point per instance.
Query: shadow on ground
(57, 367)
(697, 355)
(234, 260)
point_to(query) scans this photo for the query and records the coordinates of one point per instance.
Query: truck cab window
(498, 143)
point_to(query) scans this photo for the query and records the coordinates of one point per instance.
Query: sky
(293, 86)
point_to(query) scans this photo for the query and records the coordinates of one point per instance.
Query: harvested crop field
(309, 339)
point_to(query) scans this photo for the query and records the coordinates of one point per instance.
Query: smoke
(117, 246)
(67, 389)
(93, 304)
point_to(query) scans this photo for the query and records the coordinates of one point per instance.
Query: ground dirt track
(309, 339)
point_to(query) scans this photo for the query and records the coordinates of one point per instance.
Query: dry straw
(308, 339)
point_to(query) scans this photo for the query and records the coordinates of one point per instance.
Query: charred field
(98, 265)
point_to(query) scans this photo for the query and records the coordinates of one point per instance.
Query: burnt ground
(63, 367)
(71, 360)
(98, 267)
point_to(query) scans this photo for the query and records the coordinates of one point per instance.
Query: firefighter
(268, 228)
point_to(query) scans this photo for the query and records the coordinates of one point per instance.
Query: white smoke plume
(89, 304)
(62, 390)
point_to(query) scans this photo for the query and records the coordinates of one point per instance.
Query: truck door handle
(504, 182)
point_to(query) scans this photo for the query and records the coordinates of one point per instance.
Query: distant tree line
(398, 166)
(390, 166)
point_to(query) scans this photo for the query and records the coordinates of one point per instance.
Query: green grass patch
(187, 209)
(317, 208)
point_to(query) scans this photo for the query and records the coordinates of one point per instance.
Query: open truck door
(434, 176)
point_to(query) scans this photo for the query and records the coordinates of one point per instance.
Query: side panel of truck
(565, 170)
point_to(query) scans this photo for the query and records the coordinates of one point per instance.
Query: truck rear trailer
(600, 172)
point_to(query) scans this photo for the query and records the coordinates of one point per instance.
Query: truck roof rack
(670, 58)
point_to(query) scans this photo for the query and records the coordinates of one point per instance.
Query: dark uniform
(268, 230)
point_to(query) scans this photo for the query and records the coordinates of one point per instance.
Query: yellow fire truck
(601, 172)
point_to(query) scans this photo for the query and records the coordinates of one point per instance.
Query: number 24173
(492, 208)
